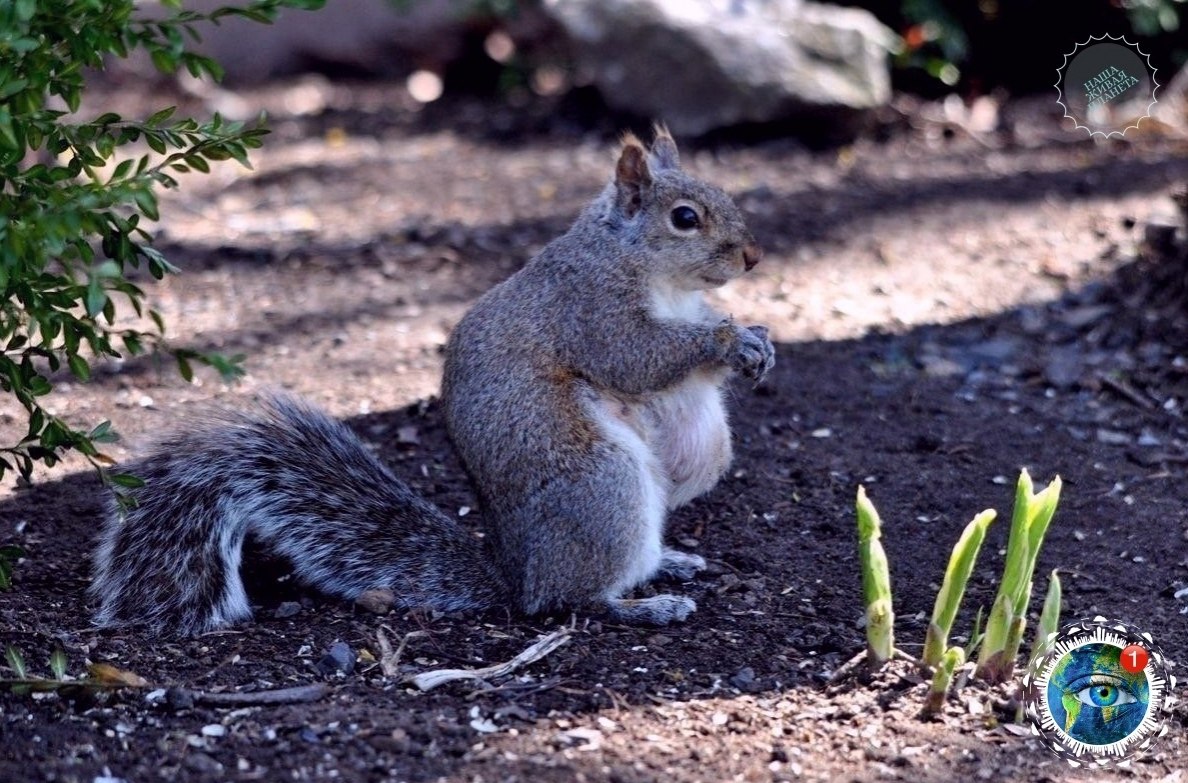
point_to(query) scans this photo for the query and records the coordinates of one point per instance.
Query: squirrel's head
(693, 233)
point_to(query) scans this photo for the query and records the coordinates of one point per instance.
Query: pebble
(744, 679)
(179, 699)
(202, 763)
(287, 609)
(1112, 437)
(378, 601)
(1063, 368)
(339, 658)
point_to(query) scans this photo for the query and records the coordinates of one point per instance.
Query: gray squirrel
(583, 393)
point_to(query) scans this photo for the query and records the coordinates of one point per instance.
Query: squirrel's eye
(685, 218)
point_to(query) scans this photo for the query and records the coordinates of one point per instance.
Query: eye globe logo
(1098, 693)
(1106, 85)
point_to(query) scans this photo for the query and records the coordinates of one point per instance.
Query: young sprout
(1004, 630)
(16, 662)
(876, 584)
(1050, 615)
(950, 662)
(948, 600)
(57, 664)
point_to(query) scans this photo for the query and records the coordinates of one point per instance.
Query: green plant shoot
(8, 556)
(1004, 630)
(876, 584)
(948, 600)
(1049, 620)
(950, 662)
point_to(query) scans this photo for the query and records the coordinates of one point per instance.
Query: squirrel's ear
(664, 153)
(632, 175)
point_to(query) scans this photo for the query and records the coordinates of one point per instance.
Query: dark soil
(948, 310)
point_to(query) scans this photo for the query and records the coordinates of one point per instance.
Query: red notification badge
(1134, 658)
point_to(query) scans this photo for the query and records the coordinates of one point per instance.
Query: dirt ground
(948, 309)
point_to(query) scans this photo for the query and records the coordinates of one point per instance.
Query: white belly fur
(690, 435)
(622, 425)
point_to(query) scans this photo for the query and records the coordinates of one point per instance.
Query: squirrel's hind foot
(681, 566)
(657, 610)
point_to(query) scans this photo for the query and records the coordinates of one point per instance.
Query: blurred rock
(1064, 367)
(699, 65)
(378, 601)
(339, 658)
(373, 37)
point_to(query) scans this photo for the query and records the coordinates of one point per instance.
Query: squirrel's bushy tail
(304, 486)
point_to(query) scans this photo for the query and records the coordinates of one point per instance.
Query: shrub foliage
(74, 195)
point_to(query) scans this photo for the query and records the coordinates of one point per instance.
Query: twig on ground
(300, 694)
(1126, 391)
(519, 688)
(390, 660)
(539, 649)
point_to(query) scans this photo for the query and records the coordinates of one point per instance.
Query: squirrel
(584, 395)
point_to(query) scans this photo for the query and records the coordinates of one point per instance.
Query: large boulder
(700, 65)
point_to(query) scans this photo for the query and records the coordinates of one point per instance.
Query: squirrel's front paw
(754, 355)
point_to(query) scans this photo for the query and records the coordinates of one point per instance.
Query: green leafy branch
(73, 195)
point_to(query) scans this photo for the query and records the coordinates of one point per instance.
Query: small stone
(940, 367)
(202, 763)
(287, 609)
(1064, 367)
(1160, 234)
(483, 725)
(377, 601)
(743, 679)
(339, 658)
(214, 730)
(179, 699)
(1078, 318)
(1112, 437)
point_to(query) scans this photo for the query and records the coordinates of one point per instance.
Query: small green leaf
(184, 367)
(122, 169)
(96, 298)
(126, 480)
(160, 117)
(163, 61)
(79, 367)
(102, 433)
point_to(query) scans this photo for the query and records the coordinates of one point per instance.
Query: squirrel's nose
(752, 254)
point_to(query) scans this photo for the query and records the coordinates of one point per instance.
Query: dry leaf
(106, 674)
